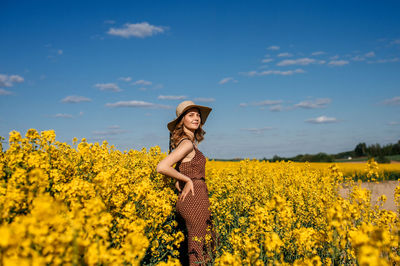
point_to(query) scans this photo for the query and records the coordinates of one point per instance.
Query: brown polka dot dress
(195, 211)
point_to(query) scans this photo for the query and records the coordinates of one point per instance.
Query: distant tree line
(361, 150)
(376, 150)
(319, 157)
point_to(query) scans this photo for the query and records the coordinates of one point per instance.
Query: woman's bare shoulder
(185, 144)
(180, 152)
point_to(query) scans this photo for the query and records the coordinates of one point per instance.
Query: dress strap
(181, 141)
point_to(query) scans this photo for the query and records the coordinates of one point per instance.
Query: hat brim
(204, 112)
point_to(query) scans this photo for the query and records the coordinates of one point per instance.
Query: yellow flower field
(92, 204)
(349, 169)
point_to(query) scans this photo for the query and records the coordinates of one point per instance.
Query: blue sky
(282, 77)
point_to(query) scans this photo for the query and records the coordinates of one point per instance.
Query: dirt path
(377, 189)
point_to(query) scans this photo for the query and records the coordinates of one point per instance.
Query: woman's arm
(165, 166)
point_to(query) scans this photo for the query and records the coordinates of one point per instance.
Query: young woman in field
(193, 203)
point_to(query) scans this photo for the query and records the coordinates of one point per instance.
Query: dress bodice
(195, 168)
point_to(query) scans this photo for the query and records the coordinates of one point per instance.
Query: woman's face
(192, 119)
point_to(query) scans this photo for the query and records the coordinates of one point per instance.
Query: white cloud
(126, 79)
(206, 100)
(53, 51)
(301, 61)
(226, 80)
(395, 41)
(142, 82)
(8, 81)
(273, 47)
(318, 103)
(284, 55)
(5, 92)
(273, 72)
(392, 101)
(171, 97)
(139, 104)
(75, 99)
(318, 53)
(267, 102)
(145, 83)
(381, 61)
(275, 105)
(59, 115)
(114, 127)
(16, 79)
(158, 86)
(334, 57)
(322, 120)
(250, 73)
(267, 60)
(393, 123)
(363, 57)
(358, 58)
(257, 130)
(370, 54)
(108, 87)
(276, 108)
(139, 30)
(338, 62)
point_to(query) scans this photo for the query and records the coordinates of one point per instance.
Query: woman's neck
(189, 133)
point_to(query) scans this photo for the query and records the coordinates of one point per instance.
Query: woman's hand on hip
(186, 190)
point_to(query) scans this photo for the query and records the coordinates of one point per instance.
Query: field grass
(358, 159)
(365, 159)
(394, 157)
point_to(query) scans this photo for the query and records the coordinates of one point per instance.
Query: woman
(193, 203)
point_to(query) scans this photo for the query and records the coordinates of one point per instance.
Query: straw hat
(184, 106)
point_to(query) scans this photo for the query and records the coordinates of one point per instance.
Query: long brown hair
(178, 133)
